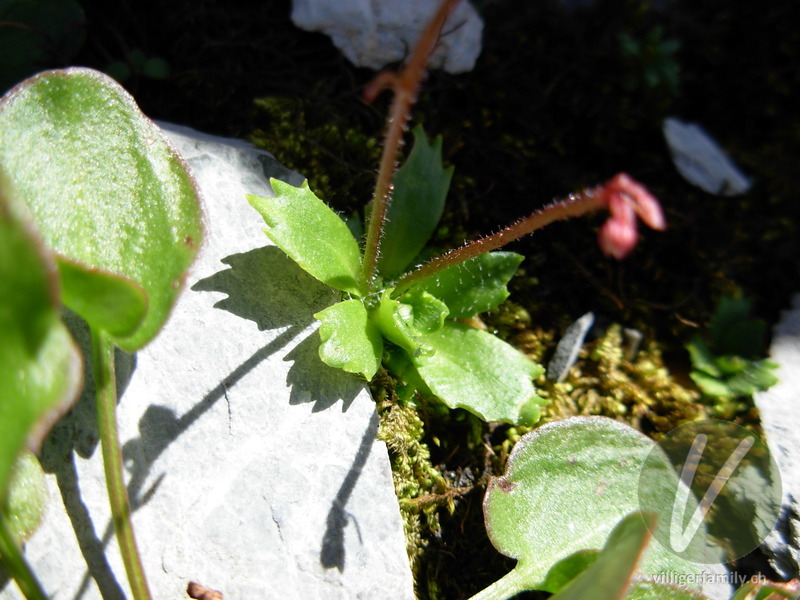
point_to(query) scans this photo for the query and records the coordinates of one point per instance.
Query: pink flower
(626, 199)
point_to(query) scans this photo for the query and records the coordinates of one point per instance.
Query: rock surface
(779, 408)
(252, 467)
(374, 33)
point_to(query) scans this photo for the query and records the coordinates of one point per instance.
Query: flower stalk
(405, 85)
(622, 196)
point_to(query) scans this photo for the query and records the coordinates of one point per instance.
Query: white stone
(374, 33)
(701, 161)
(253, 468)
(779, 409)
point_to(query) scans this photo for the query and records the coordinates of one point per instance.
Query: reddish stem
(405, 86)
(574, 206)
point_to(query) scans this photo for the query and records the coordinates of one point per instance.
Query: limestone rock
(779, 408)
(253, 468)
(374, 33)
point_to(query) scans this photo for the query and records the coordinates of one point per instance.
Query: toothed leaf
(311, 234)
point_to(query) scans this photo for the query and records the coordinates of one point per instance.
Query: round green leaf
(106, 190)
(567, 484)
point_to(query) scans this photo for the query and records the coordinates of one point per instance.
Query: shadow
(267, 287)
(289, 298)
(332, 553)
(159, 425)
(308, 375)
(77, 430)
(76, 433)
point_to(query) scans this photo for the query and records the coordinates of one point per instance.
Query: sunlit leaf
(40, 367)
(404, 323)
(609, 576)
(566, 486)
(474, 286)
(420, 189)
(350, 341)
(106, 190)
(312, 234)
(27, 497)
(474, 370)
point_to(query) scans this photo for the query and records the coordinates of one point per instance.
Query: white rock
(779, 408)
(701, 161)
(252, 467)
(374, 33)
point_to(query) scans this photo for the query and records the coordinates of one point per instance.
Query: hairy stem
(405, 86)
(106, 394)
(14, 561)
(574, 206)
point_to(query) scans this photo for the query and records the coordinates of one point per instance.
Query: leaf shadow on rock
(308, 376)
(332, 554)
(288, 300)
(267, 287)
(76, 433)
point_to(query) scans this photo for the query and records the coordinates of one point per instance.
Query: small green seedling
(726, 366)
(414, 322)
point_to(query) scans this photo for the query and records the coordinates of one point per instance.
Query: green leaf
(711, 386)
(474, 370)
(350, 341)
(702, 358)
(311, 234)
(117, 304)
(653, 590)
(474, 286)
(105, 188)
(420, 189)
(730, 364)
(40, 367)
(567, 569)
(27, 497)
(754, 377)
(566, 486)
(610, 574)
(403, 323)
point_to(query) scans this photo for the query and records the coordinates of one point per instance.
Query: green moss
(333, 149)
(421, 489)
(640, 392)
